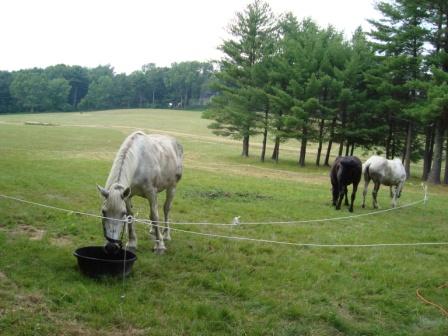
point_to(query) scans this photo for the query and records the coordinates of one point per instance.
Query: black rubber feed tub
(93, 261)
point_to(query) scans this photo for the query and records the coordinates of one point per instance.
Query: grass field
(204, 285)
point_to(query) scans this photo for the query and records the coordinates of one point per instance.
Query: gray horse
(387, 172)
(144, 166)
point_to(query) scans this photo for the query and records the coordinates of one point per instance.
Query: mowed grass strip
(204, 285)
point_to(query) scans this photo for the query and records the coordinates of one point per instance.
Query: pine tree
(399, 39)
(438, 90)
(236, 109)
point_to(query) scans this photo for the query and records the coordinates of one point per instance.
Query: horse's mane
(124, 163)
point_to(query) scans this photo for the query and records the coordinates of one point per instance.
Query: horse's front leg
(159, 247)
(170, 192)
(132, 245)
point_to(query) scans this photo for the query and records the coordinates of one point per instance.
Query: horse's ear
(126, 193)
(103, 191)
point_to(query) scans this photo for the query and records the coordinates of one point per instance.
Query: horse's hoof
(160, 247)
(158, 250)
(166, 235)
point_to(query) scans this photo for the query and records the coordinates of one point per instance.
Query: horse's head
(114, 213)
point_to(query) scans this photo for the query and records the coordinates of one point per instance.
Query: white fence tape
(236, 221)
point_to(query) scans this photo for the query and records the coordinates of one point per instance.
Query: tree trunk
(427, 157)
(434, 174)
(245, 152)
(265, 134)
(388, 143)
(352, 149)
(327, 155)
(75, 97)
(153, 97)
(263, 148)
(276, 151)
(330, 142)
(347, 148)
(341, 147)
(319, 148)
(186, 99)
(393, 149)
(408, 151)
(303, 147)
(445, 177)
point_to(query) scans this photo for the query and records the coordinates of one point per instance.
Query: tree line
(385, 90)
(282, 78)
(70, 88)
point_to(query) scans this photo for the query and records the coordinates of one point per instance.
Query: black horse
(346, 170)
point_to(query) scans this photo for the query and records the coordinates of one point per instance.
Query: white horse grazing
(382, 171)
(144, 165)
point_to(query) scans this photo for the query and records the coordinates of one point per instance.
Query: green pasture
(208, 285)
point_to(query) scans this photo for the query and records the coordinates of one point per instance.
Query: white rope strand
(294, 243)
(59, 209)
(305, 221)
(240, 238)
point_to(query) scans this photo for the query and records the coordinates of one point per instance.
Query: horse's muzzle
(112, 248)
(112, 245)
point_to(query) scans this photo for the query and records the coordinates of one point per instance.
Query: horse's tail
(365, 170)
(180, 154)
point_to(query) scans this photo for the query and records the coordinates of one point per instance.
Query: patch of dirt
(6, 283)
(30, 231)
(73, 328)
(30, 301)
(262, 172)
(218, 193)
(61, 241)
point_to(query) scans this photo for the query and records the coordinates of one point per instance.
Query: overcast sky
(130, 33)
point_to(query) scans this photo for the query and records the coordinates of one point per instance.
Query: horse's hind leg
(355, 188)
(375, 194)
(396, 194)
(346, 198)
(166, 211)
(364, 193)
(341, 193)
(154, 216)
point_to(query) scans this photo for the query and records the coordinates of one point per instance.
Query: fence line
(240, 238)
(236, 220)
